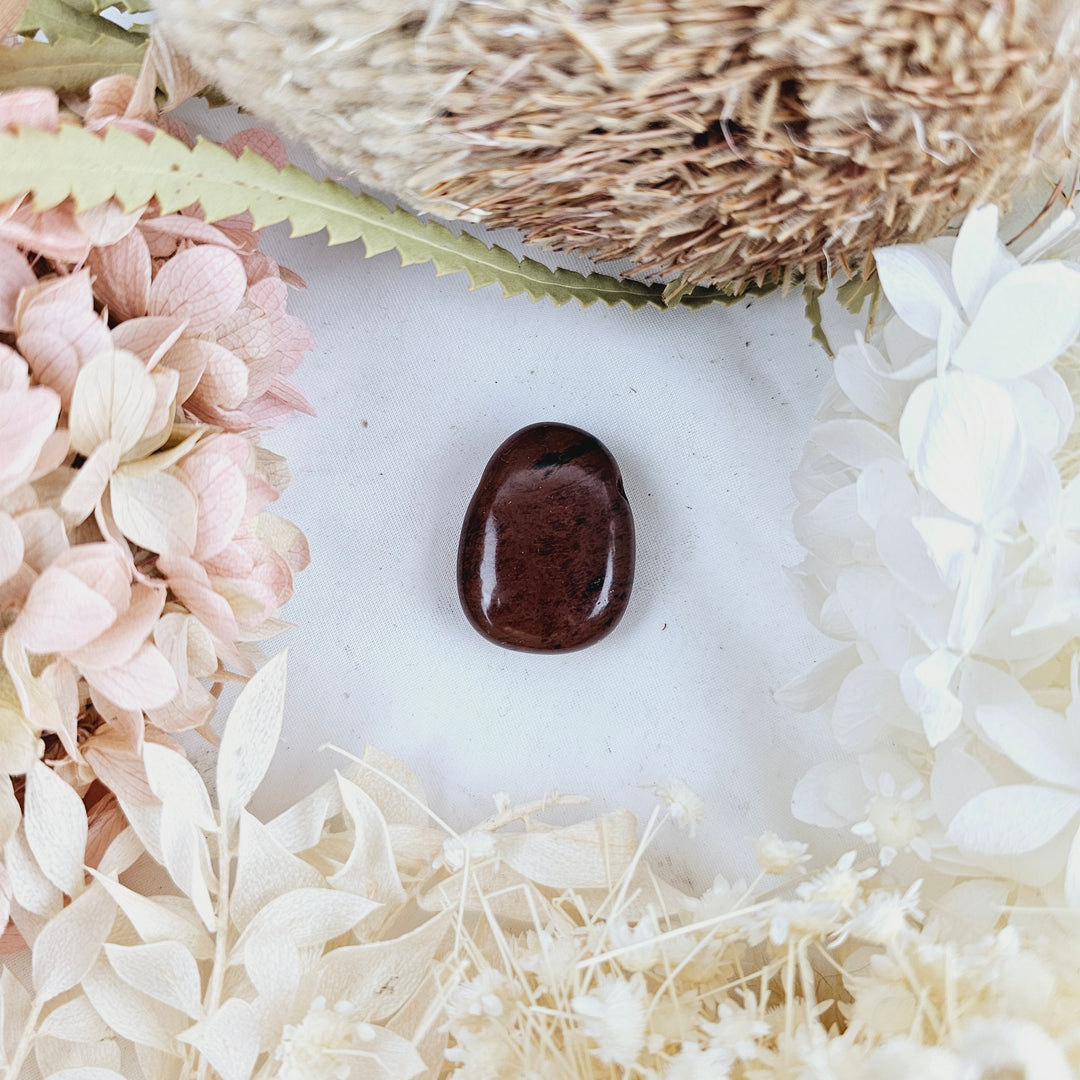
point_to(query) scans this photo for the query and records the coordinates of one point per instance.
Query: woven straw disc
(719, 141)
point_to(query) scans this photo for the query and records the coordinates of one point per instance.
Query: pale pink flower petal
(190, 709)
(284, 538)
(128, 723)
(44, 537)
(109, 97)
(33, 107)
(224, 382)
(183, 227)
(54, 233)
(221, 489)
(102, 566)
(108, 222)
(146, 681)
(59, 331)
(122, 276)
(289, 395)
(149, 338)
(14, 374)
(261, 141)
(52, 455)
(11, 547)
(119, 769)
(15, 275)
(124, 638)
(190, 584)
(27, 419)
(61, 613)
(203, 285)
(189, 358)
(176, 74)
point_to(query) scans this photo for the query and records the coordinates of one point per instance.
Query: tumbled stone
(546, 558)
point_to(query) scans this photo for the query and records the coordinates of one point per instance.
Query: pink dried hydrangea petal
(108, 222)
(34, 107)
(27, 419)
(221, 489)
(122, 276)
(144, 681)
(193, 708)
(54, 233)
(14, 374)
(224, 381)
(120, 769)
(127, 635)
(190, 584)
(102, 566)
(61, 612)
(285, 538)
(260, 141)
(149, 338)
(15, 275)
(185, 227)
(202, 284)
(110, 97)
(44, 537)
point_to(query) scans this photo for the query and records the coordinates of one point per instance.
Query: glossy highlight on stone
(546, 558)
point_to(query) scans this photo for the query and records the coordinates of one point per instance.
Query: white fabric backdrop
(416, 381)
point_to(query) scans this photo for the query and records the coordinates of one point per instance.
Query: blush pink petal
(52, 455)
(15, 275)
(34, 107)
(103, 567)
(120, 770)
(127, 723)
(230, 420)
(224, 382)
(110, 97)
(191, 709)
(249, 333)
(285, 538)
(149, 338)
(108, 222)
(54, 233)
(146, 681)
(122, 276)
(190, 357)
(222, 491)
(14, 374)
(127, 635)
(260, 141)
(61, 613)
(289, 395)
(59, 331)
(231, 563)
(190, 584)
(27, 419)
(202, 284)
(44, 537)
(184, 227)
(11, 547)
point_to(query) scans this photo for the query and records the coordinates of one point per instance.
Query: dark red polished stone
(546, 558)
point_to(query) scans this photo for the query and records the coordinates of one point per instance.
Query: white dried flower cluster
(356, 937)
(939, 504)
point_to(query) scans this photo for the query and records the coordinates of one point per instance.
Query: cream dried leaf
(56, 828)
(228, 1039)
(70, 942)
(250, 738)
(163, 970)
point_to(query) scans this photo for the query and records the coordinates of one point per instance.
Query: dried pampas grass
(721, 142)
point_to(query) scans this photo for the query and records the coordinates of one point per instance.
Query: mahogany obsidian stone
(546, 558)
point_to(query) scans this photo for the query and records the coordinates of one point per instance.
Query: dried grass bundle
(718, 141)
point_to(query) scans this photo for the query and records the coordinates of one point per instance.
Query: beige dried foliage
(722, 142)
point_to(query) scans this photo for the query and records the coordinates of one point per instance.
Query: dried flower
(686, 807)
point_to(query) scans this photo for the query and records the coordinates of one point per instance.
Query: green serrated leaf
(69, 64)
(812, 298)
(95, 7)
(57, 20)
(91, 169)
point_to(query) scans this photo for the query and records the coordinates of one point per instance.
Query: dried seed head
(728, 143)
